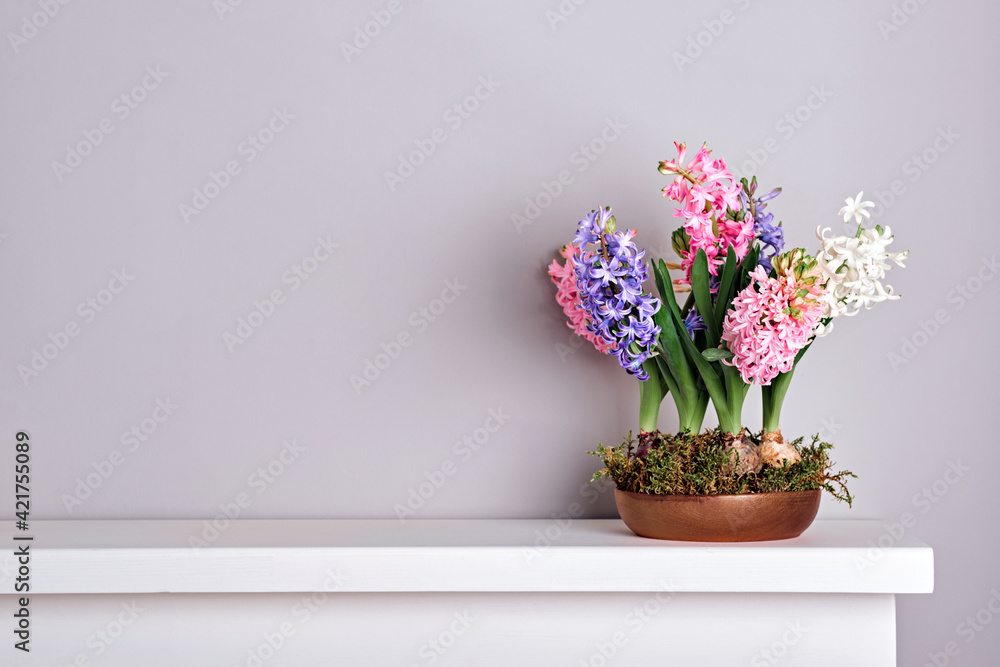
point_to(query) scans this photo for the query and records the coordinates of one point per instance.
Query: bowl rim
(680, 496)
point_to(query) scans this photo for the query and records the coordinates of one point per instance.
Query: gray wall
(198, 82)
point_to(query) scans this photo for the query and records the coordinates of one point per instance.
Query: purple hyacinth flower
(769, 196)
(694, 322)
(609, 274)
(771, 235)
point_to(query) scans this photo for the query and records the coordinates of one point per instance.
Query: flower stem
(695, 415)
(732, 420)
(686, 174)
(650, 396)
(773, 396)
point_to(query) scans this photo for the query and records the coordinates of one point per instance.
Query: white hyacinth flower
(854, 267)
(856, 208)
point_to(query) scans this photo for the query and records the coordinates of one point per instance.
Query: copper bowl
(750, 517)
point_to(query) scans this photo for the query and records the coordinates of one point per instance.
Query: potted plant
(752, 310)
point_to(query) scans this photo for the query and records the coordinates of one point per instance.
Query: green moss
(693, 464)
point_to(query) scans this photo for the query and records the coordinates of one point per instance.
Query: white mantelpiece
(498, 592)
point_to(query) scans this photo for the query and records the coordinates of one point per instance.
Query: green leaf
(674, 357)
(716, 353)
(688, 304)
(670, 344)
(724, 296)
(748, 264)
(713, 383)
(662, 270)
(662, 277)
(703, 296)
(668, 378)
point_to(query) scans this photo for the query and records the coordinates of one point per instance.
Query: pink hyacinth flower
(568, 296)
(706, 190)
(770, 321)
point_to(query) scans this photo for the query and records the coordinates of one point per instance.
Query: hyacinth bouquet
(749, 311)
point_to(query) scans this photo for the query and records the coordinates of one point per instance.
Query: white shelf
(443, 556)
